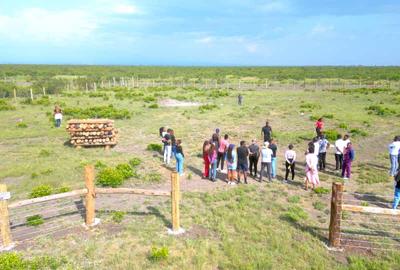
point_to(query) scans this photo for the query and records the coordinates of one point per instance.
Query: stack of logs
(90, 132)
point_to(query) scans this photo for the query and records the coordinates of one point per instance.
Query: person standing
(243, 165)
(312, 176)
(396, 199)
(223, 147)
(316, 146)
(212, 157)
(274, 149)
(290, 162)
(167, 147)
(253, 157)
(323, 146)
(348, 158)
(180, 157)
(240, 99)
(173, 143)
(394, 149)
(319, 126)
(339, 147)
(266, 159)
(266, 131)
(57, 116)
(206, 161)
(231, 164)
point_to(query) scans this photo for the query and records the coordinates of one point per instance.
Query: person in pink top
(212, 158)
(319, 126)
(223, 147)
(311, 168)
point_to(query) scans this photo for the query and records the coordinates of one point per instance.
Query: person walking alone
(266, 159)
(290, 162)
(266, 132)
(394, 149)
(253, 157)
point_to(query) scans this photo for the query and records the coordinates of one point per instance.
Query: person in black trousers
(253, 157)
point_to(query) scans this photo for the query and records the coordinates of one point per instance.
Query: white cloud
(206, 40)
(36, 24)
(125, 9)
(321, 29)
(252, 47)
(278, 6)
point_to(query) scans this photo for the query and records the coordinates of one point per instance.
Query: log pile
(92, 132)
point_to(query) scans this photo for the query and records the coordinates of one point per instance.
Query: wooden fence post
(90, 197)
(5, 220)
(175, 198)
(15, 95)
(336, 215)
(31, 94)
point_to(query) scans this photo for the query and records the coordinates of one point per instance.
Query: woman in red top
(206, 148)
(319, 126)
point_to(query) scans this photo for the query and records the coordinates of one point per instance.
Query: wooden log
(5, 221)
(336, 215)
(132, 191)
(73, 193)
(175, 201)
(90, 195)
(371, 210)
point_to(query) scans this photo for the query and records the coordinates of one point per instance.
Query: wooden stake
(5, 221)
(175, 201)
(90, 195)
(336, 215)
(31, 94)
(44, 91)
(15, 95)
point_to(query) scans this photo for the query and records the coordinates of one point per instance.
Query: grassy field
(260, 226)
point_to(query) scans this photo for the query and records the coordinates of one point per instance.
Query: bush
(35, 220)
(295, 214)
(153, 178)
(310, 106)
(110, 177)
(41, 191)
(294, 199)
(219, 93)
(134, 162)
(98, 112)
(331, 135)
(158, 254)
(14, 261)
(314, 117)
(380, 110)
(149, 99)
(154, 147)
(321, 190)
(11, 261)
(343, 126)
(153, 106)
(22, 125)
(62, 189)
(125, 169)
(328, 116)
(358, 132)
(207, 107)
(100, 165)
(118, 216)
(4, 106)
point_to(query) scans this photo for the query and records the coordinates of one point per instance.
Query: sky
(217, 32)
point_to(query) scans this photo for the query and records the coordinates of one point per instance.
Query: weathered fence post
(336, 215)
(31, 94)
(5, 220)
(15, 95)
(90, 197)
(175, 198)
(44, 91)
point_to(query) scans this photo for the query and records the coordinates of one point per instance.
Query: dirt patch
(177, 103)
(197, 231)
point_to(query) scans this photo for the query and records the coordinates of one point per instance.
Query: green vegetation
(5, 106)
(125, 169)
(154, 147)
(14, 261)
(371, 175)
(35, 220)
(158, 254)
(207, 107)
(97, 112)
(110, 177)
(134, 162)
(294, 199)
(321, 190)
(22, 125)
(295, 214)
(40, 191)
(118, 216)
(380, 110)
(153, 177)
(319, 205)
(331, 135)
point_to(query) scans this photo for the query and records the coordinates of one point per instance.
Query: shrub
(153, 177)
(310, 106)
(14, 261)
(158, 254)
(154, 147)
(295, 214)
(331, 135)
(118, 216)
(149, 99)
(343, 126)
(110, 177)
(98, 112)
(100, 165)
(219, 93)
(134, 162)
(62, 189)
(22, 125)
(40, 191)
(125, 169)
(35, 220)
(358, 132)
(321, 190)
(328, 116)
(34, 175)
(294, 199)
(319, 205)
(314, 117)
(207, 107)
(380, 110)
(4, 106)
(11, 261)
(153, 106)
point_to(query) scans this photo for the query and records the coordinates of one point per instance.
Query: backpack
(352, 155)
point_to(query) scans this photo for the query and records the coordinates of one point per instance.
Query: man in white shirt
(394, 149)
(266, 159)
(316, 141)
(340, 144)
